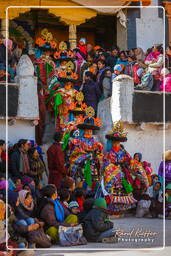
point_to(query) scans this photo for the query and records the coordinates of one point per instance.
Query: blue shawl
(59, 210)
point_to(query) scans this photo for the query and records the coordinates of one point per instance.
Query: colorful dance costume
(116, 182)
(86, 152)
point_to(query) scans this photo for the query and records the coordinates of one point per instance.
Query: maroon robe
(57, 170)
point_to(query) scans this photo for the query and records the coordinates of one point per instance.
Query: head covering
(168, 186)
(118, 68)
(83, 40)
(22, 195)
(165, 71)
(26, 179)
(140, 55)
(12, 198)
(32, 189)
(46, 41)
(73, 204)
(140, 71)
(89, 122)
(167, 155)
(117, 133)
(101, 203)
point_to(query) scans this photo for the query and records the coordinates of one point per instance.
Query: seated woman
(97, 226)
(52, 212)
(21, 224)
(24, 211)
(156, 196)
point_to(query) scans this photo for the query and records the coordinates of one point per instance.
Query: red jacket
(56, 164)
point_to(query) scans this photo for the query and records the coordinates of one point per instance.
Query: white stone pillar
(73, 36)
(28, 98)
(122, 97)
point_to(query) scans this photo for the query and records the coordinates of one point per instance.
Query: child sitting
(143, 206)
(97, 227)
(74, 207)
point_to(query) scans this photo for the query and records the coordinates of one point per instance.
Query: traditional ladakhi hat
(117, 133)
(67, 74)
(63, 53)
(79, 107)
(46, 41)
(89, 122)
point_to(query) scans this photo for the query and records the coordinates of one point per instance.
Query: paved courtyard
(133, 233)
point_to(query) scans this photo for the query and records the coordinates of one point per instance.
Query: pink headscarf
(152, 55)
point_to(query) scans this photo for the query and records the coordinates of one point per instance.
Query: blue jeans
(26, 222)
(109, 233)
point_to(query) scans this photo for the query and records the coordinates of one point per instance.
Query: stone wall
(150, 28)
(144, 137)
(21, 129)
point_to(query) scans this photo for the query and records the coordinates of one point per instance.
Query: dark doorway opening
(103, 28)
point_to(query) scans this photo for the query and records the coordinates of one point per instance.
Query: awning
(94, 4)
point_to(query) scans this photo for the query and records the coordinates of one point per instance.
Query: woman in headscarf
(25, 210)
(156, 196)
(36, 165)
(139, 54)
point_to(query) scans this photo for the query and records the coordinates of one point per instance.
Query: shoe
(112, 239)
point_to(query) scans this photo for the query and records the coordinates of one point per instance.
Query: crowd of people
(83, 183)
(39, 203)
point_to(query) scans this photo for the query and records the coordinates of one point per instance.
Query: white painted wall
(150, 28)
(148, 141)
(22, 129)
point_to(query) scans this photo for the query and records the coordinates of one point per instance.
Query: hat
(46, 41)
(118, 68)
(78, 107)
(63, 54)
(89, 122)
(168, 186)
(83, 40)
(101, 203)
(167, 155)
(117, 133)
(140, 71)
(73, 204)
